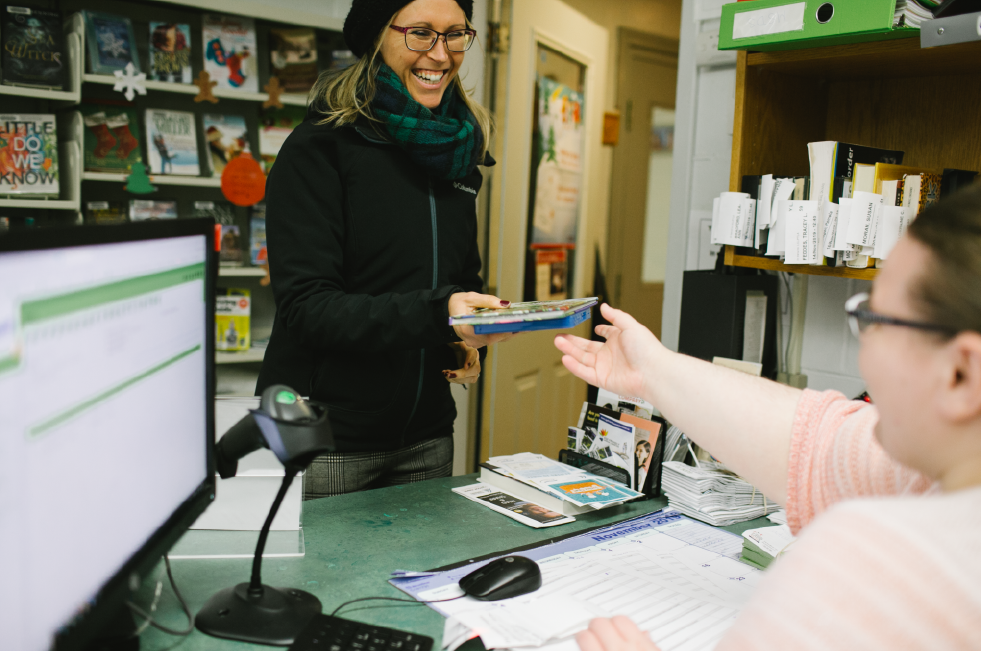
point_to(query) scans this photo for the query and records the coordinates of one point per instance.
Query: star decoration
(114, 45)
(274, 90)
(204, 84)
(129, 83)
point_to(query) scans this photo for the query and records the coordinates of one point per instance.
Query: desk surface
(353, 542)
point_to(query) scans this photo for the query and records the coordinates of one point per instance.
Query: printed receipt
(676, 578)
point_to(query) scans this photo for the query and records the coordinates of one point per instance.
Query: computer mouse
(510, 576)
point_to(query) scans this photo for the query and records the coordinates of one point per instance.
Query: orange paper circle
(243, 182)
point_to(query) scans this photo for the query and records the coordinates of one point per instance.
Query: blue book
(523, 317)
(110, 41)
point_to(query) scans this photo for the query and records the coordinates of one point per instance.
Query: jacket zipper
(422, 352)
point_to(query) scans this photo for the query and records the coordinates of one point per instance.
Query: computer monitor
(106, 417)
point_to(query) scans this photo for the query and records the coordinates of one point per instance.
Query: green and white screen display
(102, 417)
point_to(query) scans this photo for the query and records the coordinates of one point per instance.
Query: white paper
(770, 540)
(892, 225)
(830, 228)
(771, 20)
(861, 225)
(782, 191)
(730, 226)
(767, 186)
(801, 223)
(475, 492)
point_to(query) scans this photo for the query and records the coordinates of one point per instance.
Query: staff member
(372, 240)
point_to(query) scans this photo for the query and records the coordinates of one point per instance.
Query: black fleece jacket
(365, 249)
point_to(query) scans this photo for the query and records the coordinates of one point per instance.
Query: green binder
(797, 24)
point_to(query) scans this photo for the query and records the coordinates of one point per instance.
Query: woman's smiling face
(427, 75)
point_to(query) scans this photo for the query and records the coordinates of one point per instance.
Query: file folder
(796, 24)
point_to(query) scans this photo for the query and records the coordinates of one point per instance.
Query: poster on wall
(559, 178)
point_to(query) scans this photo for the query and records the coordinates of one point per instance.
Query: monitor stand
(257, 613)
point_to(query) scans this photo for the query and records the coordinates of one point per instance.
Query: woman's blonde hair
(341, 96)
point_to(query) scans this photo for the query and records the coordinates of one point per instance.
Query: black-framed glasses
(860, 317)
(422, 39)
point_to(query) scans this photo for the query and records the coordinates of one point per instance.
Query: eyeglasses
(422, 39)
(860, 317)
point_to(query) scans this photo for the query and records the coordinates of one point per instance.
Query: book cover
(33, 47)
(232, 317)
(110, 41)
(275, 125)
(227, 137)
(28, 154)
(170, 52)
(929, 190)
(223, 212)
(111, 142)
(106, 212)
(146, 209)
(527, 311)
(231, 253)
(293, 58)
(341, 59)
(172, 142)
(230, 51)
(257, 235)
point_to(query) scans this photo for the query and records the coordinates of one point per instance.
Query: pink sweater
(885, 561)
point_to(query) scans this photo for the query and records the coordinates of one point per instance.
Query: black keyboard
(328, 633)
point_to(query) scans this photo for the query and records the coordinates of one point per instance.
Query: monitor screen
(104, 432)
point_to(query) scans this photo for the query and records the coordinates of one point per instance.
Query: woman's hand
(468, 359)
(617, 365)
(465, 303)
(616, 634)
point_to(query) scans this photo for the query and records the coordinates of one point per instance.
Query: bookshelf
(888, 94)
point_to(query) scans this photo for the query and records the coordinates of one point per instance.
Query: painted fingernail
(505, 303)
(451, 375)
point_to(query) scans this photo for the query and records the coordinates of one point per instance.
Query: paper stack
(713, 494)
(554, 485)
(762, 546)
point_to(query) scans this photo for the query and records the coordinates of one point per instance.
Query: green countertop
(354, 542)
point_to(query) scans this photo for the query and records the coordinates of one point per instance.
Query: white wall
(702, 155)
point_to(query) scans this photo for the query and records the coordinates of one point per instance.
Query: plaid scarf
(446, 142)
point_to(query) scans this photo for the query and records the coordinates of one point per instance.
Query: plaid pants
(346, 472)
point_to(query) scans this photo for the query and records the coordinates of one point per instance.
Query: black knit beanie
(368, 17)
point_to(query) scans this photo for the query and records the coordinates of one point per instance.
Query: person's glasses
(860, 317)
(422, 39)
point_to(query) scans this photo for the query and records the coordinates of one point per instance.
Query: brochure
(525, 512)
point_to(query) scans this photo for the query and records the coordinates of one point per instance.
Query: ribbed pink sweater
(884, 561)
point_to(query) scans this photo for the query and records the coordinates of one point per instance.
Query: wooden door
(529, 397)
(637, 244)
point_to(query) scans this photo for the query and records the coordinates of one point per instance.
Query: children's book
(170, 52)
(275, 125)
(112, 138)
(111, 44)
(230, 51)
(33, 47)
(232, 316)
(28, 154)
(172, 142)
(227, 137)
(106, 212)
(257, 235)
(532, 315)
(293, 58)
(145, 209)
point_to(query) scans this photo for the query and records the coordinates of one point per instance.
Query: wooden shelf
(772, 264)
(39, 93)
(160, 179)
(39, 204)
(240, 272)
(282, 12)
(191, 89)
(249, 356)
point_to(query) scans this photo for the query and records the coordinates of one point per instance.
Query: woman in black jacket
(371, 232)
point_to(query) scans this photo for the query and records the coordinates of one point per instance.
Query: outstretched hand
(616, 634)
(617, 365)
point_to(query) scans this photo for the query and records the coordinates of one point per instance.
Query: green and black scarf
(446, 142)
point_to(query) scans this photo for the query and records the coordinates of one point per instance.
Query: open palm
(617, 365)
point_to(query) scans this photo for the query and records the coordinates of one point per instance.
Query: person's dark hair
(948, 292)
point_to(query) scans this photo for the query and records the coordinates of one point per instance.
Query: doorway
(641, 187)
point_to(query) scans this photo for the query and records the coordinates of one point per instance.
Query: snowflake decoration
(113, 45)
(129, 83)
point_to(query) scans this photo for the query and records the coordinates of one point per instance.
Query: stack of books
(713, 494)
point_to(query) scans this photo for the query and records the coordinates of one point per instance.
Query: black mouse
(510, 576)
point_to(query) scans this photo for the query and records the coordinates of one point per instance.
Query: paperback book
(110, 41)
(293, 58)
(106, 212)
(145, 209)
(28, 155)
(232, 317)
(227, 137)
(275, 125)
(257, 235)
(33, 47)
(230, 52)
(170, 52)
(172, 142)
(112, 138)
